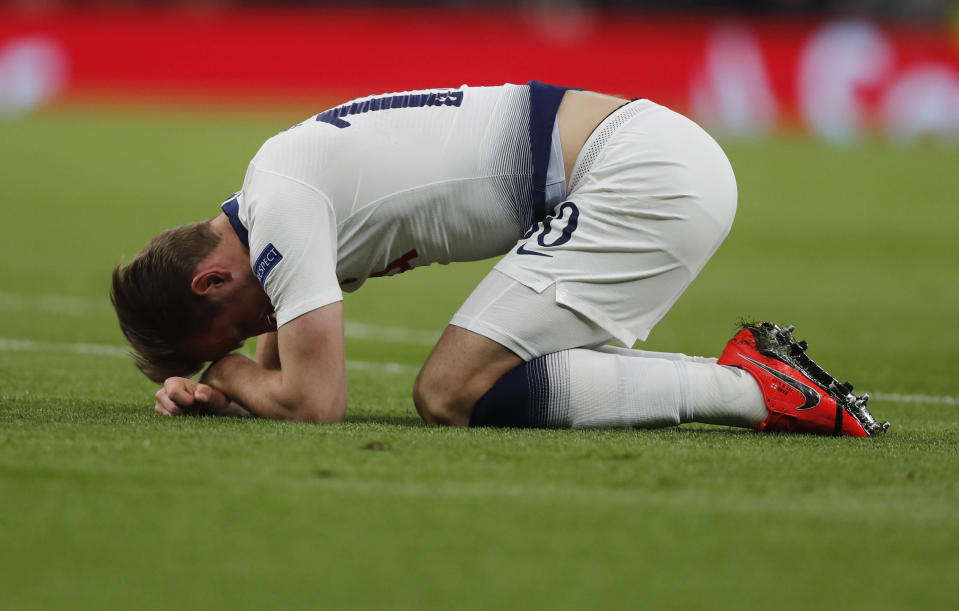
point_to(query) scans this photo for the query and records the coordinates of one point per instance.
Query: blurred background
(843, 70)
(841, 118)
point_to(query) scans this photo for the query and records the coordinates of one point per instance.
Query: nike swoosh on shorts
(522, 251)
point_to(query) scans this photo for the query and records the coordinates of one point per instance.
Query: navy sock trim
(520, 399)
(507, 403)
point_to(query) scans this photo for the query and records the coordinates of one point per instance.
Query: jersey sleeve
(293, 242)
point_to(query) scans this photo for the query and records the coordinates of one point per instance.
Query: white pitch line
(388, 367)
(111, 350)
(28, 345)
(63, 305)
(912, 398)
(399, 335)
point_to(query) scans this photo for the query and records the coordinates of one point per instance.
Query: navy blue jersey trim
(544, 101)
(231, 208)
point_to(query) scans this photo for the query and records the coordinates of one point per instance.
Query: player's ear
(210, 281)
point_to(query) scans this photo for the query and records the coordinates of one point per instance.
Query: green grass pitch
(105, 505)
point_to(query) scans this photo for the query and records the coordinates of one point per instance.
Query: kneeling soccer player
(605, 208)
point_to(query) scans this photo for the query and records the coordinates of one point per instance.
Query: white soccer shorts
(651, 198)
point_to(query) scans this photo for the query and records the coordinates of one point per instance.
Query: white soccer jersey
(389, 182)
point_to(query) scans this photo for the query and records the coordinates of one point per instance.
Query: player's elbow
(315, 407)
(319, 411)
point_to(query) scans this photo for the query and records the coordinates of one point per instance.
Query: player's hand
(182, 396)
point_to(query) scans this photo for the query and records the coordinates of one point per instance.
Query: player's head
(155, 305)
(187, 298)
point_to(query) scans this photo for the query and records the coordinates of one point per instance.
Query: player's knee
(440, 401)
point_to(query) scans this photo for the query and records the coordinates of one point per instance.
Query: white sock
(585, 388)
(616, 388)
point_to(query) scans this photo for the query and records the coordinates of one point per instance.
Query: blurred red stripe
(246, 54)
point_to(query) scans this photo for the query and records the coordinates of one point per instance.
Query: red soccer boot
(800, 395)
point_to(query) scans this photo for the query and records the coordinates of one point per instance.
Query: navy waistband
(544, 101)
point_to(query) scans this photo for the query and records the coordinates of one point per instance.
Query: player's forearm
(265, 393)
(233, 410)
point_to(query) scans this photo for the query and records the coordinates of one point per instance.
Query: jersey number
(544, 239)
